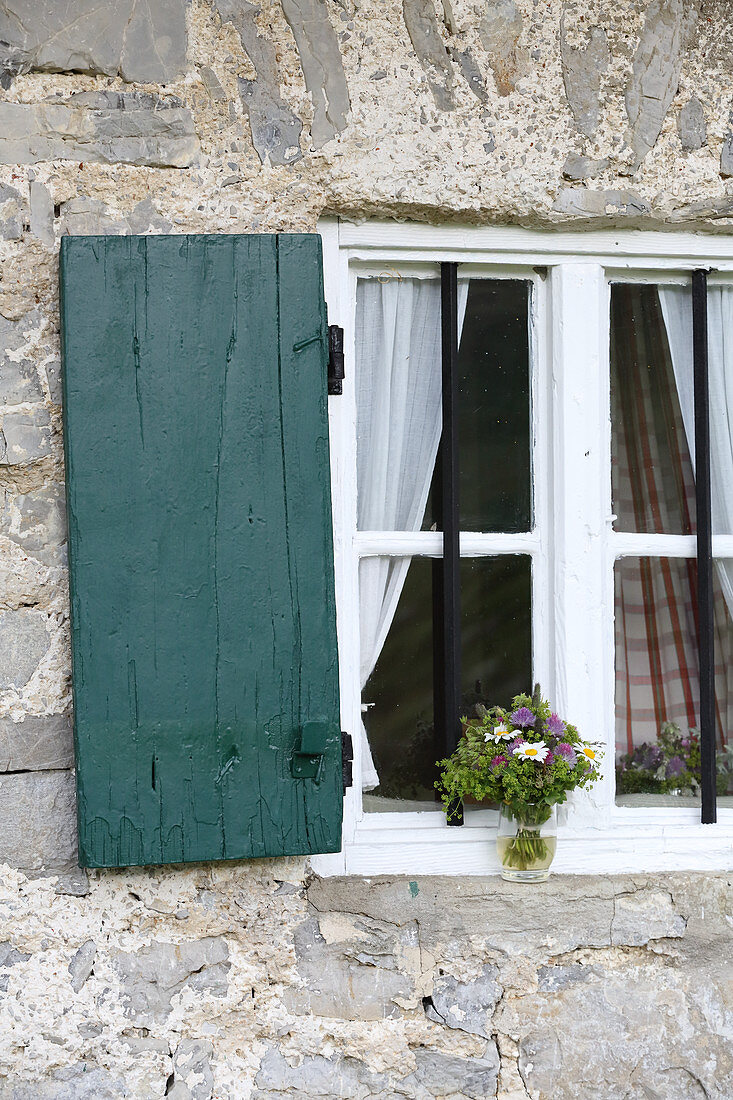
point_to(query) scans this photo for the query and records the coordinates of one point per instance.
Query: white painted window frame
(573, 546)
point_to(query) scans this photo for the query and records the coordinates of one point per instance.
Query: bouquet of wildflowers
(671, 764)
(526, 758)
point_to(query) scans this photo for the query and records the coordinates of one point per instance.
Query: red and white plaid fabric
(657, 675)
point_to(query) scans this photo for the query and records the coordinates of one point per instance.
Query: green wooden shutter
(200, 548)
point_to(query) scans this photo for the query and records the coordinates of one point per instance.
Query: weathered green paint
(200, 547)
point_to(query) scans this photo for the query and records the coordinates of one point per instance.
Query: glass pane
(398, 403)
(653, 486)
(497, 663)
(496, 620)
(494, 421)
(399, 691)
(657, 679)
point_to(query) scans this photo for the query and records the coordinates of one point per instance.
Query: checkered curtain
(657, 676)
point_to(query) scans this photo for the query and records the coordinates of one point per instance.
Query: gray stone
(12, 209)
(24, 641)
(499, 30)
(82, 1081)
(422, 27)
(84, 216)
(466, 1006)
(154, 974)
(323, 67)
(141, 42)
(275, 128)
(192, 1068)
(36, 744)
(443, 1075)
(211, 82)
(583, 168)
(144, 218)
(38, 821)
(655, 72)
(9, 956)
(581, 202)
(107, 127)
(37, 522)
(645, 915)
(582, 70)
(552, 978)
(471, 74)
(19, 380)
(726, 157)
(358, 977)
(317, 1076)
(691, 125)
(25, 436)
(42, 213)
(73, 883)
(82, 964)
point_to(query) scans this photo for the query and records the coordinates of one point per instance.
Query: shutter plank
(203, 623)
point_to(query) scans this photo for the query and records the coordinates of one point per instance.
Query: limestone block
(83, 215)
(108, 127)
(691, 125)
(36, 744)
(656, 68)
(192, 1070)
(726, 157)
(9, 956)
(36, 521)
(466, 1006)
(25, 436)
(323, 67)
(583, 168)
(499, 29)
(38, 821)
(42, 213)
(581, 202)
(141, 42)
(81, 964)
(645, 915)
(360, 976)
(24, 641)
(444, 1075)
(81, 1081)
(422, 27)
(275, 128)
(11, 213)
(317, 1076)
(19, 380)
(582, 70)
(154, 974)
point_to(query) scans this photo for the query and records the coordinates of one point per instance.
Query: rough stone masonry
(258, 980)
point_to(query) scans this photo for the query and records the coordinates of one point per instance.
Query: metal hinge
(347, 760)
(335, 359)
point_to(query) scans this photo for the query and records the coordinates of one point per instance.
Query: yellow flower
(536, 751)
(586, 751)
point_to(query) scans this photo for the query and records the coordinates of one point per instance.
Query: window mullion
(581, 508)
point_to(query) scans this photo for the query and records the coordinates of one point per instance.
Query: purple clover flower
(550, 757)
(522, 718)
(499, 762)
(568, 752)
(556, 725)
(675, 766)
(516, 743)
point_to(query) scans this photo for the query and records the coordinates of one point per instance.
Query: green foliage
(487, 770)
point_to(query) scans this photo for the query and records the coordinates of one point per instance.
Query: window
(576, 515)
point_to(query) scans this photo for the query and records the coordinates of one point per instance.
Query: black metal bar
(336, 371)
(447, 594)
(706, 633)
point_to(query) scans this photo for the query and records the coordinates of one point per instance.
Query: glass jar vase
(526, 845)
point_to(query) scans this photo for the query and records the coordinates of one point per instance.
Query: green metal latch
(308, 759)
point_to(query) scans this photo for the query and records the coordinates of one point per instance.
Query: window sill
(637, 839)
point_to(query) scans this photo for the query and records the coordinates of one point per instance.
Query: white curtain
(677, 311)
(398, 411)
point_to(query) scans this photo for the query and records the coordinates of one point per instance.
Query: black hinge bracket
(347, 760)
(335, 359)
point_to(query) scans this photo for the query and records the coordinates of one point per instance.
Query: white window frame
(573, 548)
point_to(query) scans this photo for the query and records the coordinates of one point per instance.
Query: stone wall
(193, 116)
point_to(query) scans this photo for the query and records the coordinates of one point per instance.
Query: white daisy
(498, 734)
(536, 751)
(586, 751)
